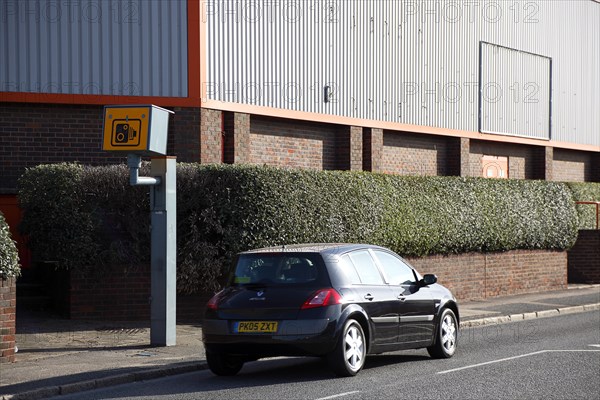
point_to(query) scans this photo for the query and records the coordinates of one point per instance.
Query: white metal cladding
(109, 47)
(514, 92)
(414, 62)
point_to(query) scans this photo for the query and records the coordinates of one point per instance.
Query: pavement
(58, 356)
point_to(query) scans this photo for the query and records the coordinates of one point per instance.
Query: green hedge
(225, 209)
(9, 256)
(587, 191)
(82, 217)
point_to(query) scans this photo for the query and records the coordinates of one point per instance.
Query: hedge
(224, 209)
(587, 191)
(9, 256)
(79, 217)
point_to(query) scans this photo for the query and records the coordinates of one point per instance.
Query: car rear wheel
(446, 336)
(348, 357)
(224, 364)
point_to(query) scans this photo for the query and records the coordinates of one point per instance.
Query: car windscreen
(279, 269)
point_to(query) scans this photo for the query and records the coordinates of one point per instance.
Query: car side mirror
(428, 279)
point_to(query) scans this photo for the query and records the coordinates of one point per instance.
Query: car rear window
(268, 269)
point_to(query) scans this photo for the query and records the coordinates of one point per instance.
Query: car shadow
(382, 360)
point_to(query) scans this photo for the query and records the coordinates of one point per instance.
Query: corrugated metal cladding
(109, 47)
(527, 103)
(415, 62)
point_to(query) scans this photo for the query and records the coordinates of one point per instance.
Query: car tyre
(224, 364)
(348, 357)
(446, 336)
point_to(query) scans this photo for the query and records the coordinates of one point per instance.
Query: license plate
(256, 327)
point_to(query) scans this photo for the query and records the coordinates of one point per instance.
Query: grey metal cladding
(108, 47)
(413, 62)
(514, 92)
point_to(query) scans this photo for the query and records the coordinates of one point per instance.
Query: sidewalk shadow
(85, 348)
(74, 378)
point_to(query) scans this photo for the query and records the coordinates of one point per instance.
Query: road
(546, 358)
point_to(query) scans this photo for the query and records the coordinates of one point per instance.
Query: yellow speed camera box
(136, 129)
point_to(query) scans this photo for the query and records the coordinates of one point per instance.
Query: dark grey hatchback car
(339, 301)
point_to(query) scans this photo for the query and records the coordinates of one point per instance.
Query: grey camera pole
(163, 212)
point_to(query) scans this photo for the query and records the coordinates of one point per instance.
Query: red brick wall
(8, 304)
(40, 133)
(572, 166)
(115, 295)
(349, 148)
(184, 134)
(595, 168)
(476, 276)
(292, 143)
(49, 133)
(124, 296)
(211, 136)
(33, 134)
(523, 161)
(237, 137)
(473, 276)
(372, 149)
(584, 258)
(414, 154)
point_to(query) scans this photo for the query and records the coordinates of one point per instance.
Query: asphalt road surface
(546, 358)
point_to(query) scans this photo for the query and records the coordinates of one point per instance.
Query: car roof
(321, 248)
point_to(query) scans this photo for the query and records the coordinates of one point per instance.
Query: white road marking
(338, 395)
(513, 358)
(594, 345)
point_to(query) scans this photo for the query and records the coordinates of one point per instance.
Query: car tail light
(213, 303)
(322, 298)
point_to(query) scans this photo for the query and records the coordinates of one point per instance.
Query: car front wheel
(446, 336)
(224, 364)
(348, 357)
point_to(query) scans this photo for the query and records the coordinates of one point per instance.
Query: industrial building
(504, 89)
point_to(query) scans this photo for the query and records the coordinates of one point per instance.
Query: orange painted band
(54, 98)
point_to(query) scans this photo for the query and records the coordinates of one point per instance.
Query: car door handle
(369, 297)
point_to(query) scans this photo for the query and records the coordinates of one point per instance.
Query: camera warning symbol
(126, 132)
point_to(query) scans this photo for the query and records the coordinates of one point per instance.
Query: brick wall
(8, 304)
(184, 134)
(33, 134)
(414, 154)
(123, 296)
(116, 295)
(584, 258)
(237, 138)
(37, 133)
(523, 162)
(211, 136)
(292, 143)
(457, 156)
(349, 148)
(595, 168)
(476, 276)
(372, 149)
(572, 166)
